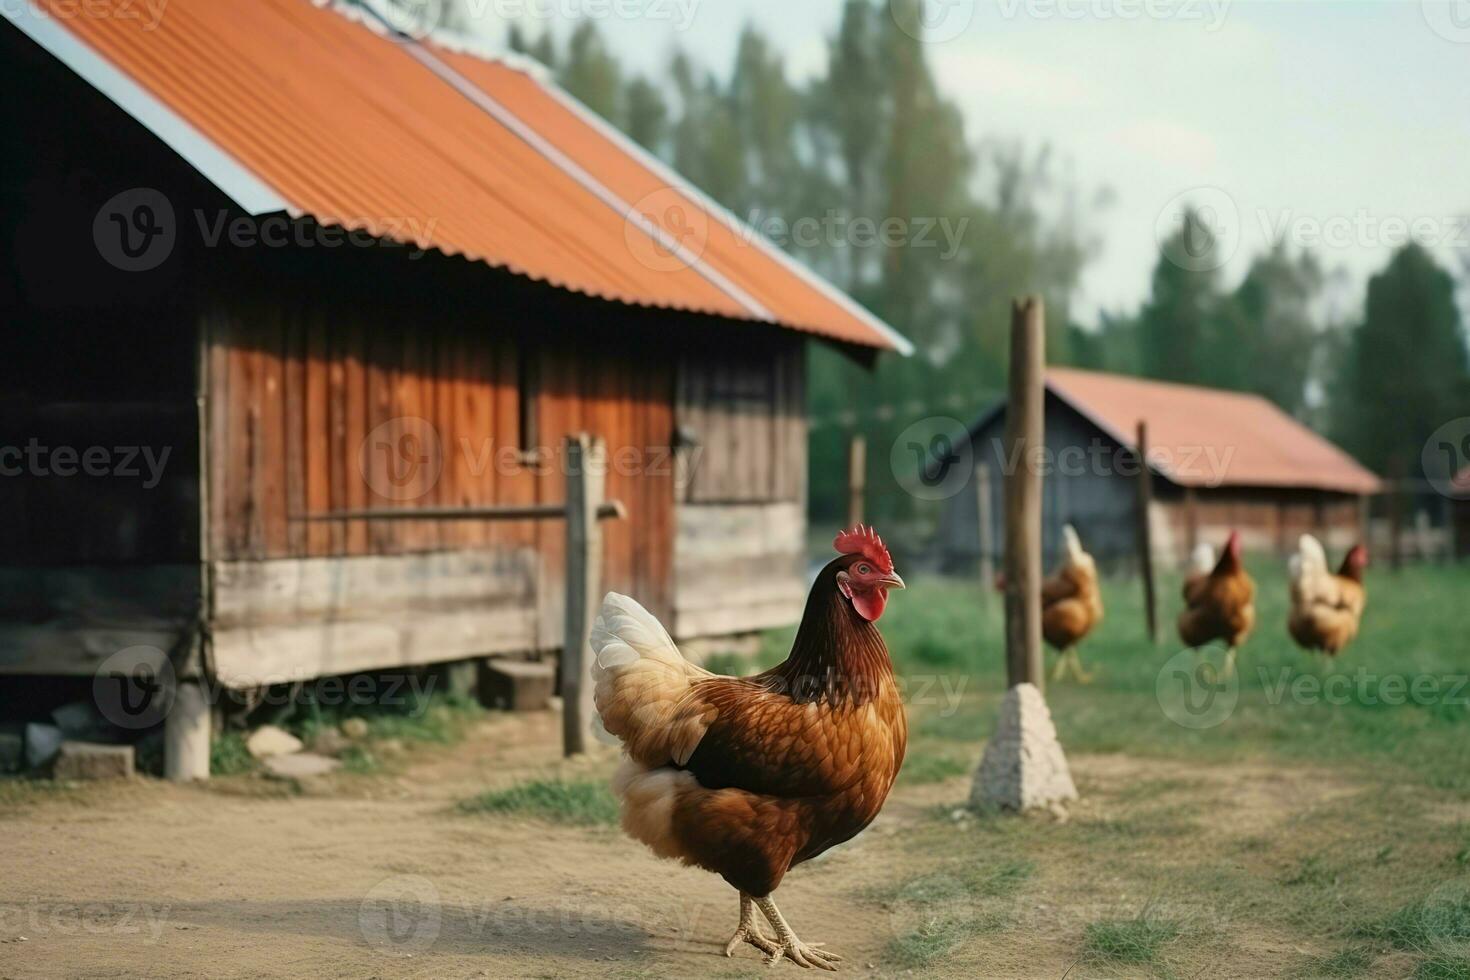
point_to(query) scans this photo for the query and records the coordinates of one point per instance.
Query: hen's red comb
(864, 541)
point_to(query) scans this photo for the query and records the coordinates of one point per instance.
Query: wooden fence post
(1024, 437)
(586, 480)
(857, 478)
(1396, 512)
(1145, 534)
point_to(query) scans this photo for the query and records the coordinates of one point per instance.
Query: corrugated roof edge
(366, 13)
(221, 169)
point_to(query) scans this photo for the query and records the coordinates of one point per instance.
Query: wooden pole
(1145, 534)
(1024, 438)
(186, 734)
(986, 532)
(586, 479)
(857, 478)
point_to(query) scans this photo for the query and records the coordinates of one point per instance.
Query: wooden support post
(186, 734)
(586, 478)
(1145, 534)
(1364, 518)
(1024, 438)
(983, 516)
(857, 478)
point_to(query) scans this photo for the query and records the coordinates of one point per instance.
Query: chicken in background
(749, 777)
(1325, 608)
(1071, 606)
(1219, 600)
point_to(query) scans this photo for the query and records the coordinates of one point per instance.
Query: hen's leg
(1229, 668)
(1075, 659)
(1060, 670)
(749, 930)
(793, 949)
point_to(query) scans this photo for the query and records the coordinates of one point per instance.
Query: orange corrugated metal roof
(481, 158)
(1206, 437)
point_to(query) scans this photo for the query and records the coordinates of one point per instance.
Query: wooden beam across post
(586, 479)
(1024, 438)
(857, 478)
(1145, 534)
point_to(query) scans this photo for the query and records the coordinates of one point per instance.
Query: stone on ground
(302, 765)
(42, 744)
(354, 727)
(90, 760)
(268, 741)
(1023, 767)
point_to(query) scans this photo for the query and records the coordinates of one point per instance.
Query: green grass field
(1370, 877)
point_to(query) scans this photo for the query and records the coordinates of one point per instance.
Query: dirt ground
(378, 876)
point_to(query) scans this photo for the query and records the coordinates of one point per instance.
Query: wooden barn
(270, 261)
(1219, 460)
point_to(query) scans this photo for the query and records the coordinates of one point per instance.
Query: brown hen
(1220, 602)
(749, 777)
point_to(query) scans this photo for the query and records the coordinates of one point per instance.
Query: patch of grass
(228, 755)
(728, 664)
(584, 803)
(1432, 924)
(360, 759)
(1138, 940)
(920, 768)
(1351, 961)
(1443, 968)
(937, 912)
(1312, 871)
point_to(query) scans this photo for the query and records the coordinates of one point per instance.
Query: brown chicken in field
(749, 777)
(1325, 608)
(1071, 605)
(1220, 601)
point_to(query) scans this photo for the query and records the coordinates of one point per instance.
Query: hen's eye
(863, 569)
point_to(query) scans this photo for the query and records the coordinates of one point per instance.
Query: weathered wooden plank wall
(307, 413)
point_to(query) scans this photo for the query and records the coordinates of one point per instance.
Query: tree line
(873, 136)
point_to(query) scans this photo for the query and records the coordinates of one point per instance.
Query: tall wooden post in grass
(1023, 767)
(985, 538)
(586, 477)
(1145, 535)
(1024, 436)
(857, 478)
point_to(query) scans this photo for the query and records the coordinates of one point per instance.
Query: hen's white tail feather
(1202, 559)
(639, 681)
(1310, 557)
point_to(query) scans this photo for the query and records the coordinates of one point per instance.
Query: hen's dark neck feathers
(838, 656)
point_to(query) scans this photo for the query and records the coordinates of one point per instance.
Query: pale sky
(1342, 124)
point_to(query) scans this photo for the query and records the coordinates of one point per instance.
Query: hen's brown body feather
(1220, 605)
(1325, 615)
(1071, 605)
(762, 773)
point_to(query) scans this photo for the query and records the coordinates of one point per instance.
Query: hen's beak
(892, 581)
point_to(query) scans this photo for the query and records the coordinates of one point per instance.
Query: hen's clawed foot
(787, 946)
(749, 931)
(801, 954)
